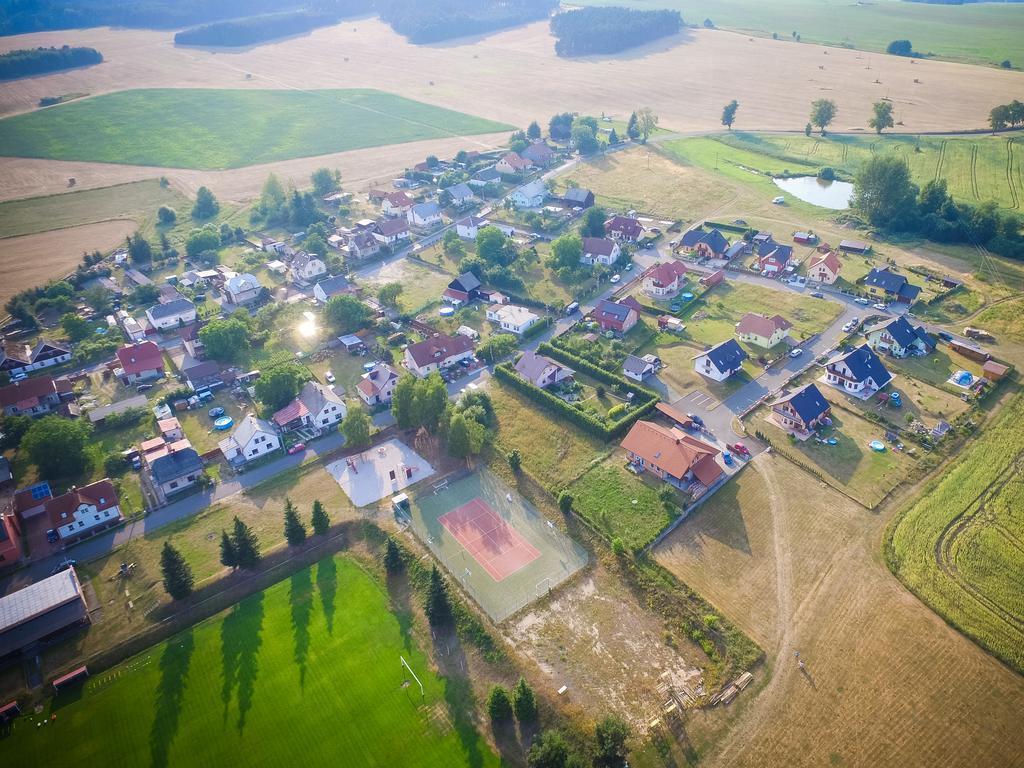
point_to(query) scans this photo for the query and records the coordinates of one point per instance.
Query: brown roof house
(541, 371)
(140, 362)
(762, 331)
(35, 397)
(824, 267)
(83, 512)
(437, 352)
(677, 458)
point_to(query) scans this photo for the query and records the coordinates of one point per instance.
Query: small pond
(825, 194)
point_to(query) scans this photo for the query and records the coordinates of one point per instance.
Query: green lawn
(620, 504)
(308, 667)
(979, 33)
(214, 129)
(1004, 320)
(959, 546)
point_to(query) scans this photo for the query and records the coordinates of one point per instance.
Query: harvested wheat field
(686, 79)
(886, 682)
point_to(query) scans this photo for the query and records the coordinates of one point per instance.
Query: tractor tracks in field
(1010, 174)
(974, 172)
(941, 160)
(946, 561)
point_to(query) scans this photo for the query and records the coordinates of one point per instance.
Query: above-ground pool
(446, 311)
(687, 296)
(877, 445)
(224, 422)
(964, 378)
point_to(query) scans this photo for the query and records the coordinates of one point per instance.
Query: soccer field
(304, 673)
(213, 129)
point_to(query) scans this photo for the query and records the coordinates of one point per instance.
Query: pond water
(825, 194)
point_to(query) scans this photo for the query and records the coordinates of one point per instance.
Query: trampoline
(224, 422)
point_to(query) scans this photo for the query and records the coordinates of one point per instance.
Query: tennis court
(502, 551)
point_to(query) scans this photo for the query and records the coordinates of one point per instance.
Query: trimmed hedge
(537, 328)
(728, 227)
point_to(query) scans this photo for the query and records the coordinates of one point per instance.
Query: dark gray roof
(175, 465)
(714, 239)
(487, 174)
(171, 308)
(467, 282)
(890, 282)
(735, 249)
(637, 365)
(727, 356)
(618, 311)
(576, 195)
(903, 332)
(333, 285)
(863, 364)
(807, 401)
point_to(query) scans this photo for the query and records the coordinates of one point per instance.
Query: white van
(572, 308)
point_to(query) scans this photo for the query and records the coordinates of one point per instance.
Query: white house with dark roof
(175, 471)
(242, 289)
(484, 177)
(173, 314)
(461, 194)
(640, 368)
(721, 361)
(899, 338)
(801, 410)
(391, 231)
(307, 267)
(600, 250)
(530, 195)
(22, 357)
(424, 215)
(542, 371)
(251, 439)
(330, 287)
(858, 372)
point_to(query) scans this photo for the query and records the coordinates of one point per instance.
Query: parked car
(330, 377)
(297, 448)
(695, 419)
(616, 278)
(945, 335)
(216, 412)
(143, 387)
(795, 352)
(741, 449)
(817, 295)
(861, 300)
(880, 307)
(780, 200)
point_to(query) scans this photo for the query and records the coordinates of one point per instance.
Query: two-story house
(676, 457)
(140, 362)
(37, 396)
(173, 314)
(252, 439)
(899, 338)
(530, 195)
(21, 357)
(824, 267)
(306, 268)
(83, 512)
(711, 245)
(174, 472)
(618, 316)
(391, 232)
(542, 371)
(664, 280)
(859, 372)
(511, 319)
(241, 289)
(396, 204)
(315, 406)
(512, 164)
(424, 215)
(600, 250)
(625, 229)
(801, 410)
(377, 385)
(883, 283)
(437, 352)
(461, 194)
(762, 331)
(330, 287)
(721, 361)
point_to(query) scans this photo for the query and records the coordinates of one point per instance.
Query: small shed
(994, 371)
(352, 343)
(854, 246)
(709, 281)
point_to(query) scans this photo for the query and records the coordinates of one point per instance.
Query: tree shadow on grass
(301, 598)
(327, 585)
(400, 592)
(174, 665)
(240, 644)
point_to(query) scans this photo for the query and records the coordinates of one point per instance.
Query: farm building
(710, 281)
(575, 197)
(854, 246)
(462, 290)
(805, 238)
(41, 612)
(994, 371)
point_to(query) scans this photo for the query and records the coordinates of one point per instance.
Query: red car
(741, 449)
(297, 448)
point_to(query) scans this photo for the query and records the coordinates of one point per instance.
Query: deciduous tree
(356, 426)
(206, 204)
(57, 446)
(882, 117)
(226, 341)
(592, 222)
(646, 122)
(823, 112)
(611, 735)
(347, 314)
(75, 328)
(325, 181)
(389, 293)
(729, 113)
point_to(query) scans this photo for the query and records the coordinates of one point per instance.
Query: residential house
(639, 368)
(710, 245)
(721, 361)
(242, 289)
(600, 250)
(37, 396)
(437, 352)
(21, 357)
(461, 194)
(307, 267)
(423, 215)
(802, 410)
(173, 314)
(469, 227)
(378, 385)
(170, 429)
(140, 362)
(854, 246)
(251, 439)
(762, 331)
(330, 287)
(539, 154)
(676, 457)
(174, 472)
(361, 245)
(530, 195)
(824, 267)
(83, 512)
(315, 406)
(664, 280)
(625, 229)
(512, 164)
(772, 258)
(484, 177)
(512, 319)
(576, 197)
(390, 232)
(858, 371)
(882, 282)
(899, 338)
(542, 371)
(462, 290)
(167, 293)
(619, 316)
(396, 204)
(133, 330)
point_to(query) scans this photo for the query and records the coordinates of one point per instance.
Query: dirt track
(513, 76)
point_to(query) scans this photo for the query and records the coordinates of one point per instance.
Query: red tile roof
(830, 260)
(36, 387)
(136, 358)
(759, 325)
(100, 493)
(666, 273)
(673, 451)
(296, 409)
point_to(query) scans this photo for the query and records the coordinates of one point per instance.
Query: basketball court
(498, 547)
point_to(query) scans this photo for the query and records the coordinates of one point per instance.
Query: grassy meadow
(217, 129)
(310, 666)
(978, 33)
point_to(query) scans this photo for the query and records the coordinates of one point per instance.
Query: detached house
(462, 290)
(542, 371)
(175, 471)
(484, 177)
(711, 245)
(510, 318)
(140, 362)
(242, 289)
(663, 281)
(721, 361)
(35, 397)
(396, 204)
(539, 153)
(600, 250)
(330, 287)
(378, 385)
(360, 246)
(824, 267)
(391, 231)
(512, 164)
(315, 406)
(423, 215)
(802, 410)
(899, 338)
(772, 258)
(173, 314)
(468, 227)
(886, 284)
(461, 194)
(83, 512)
(764, 332)
(859, 372)
(19, 357)
(679, 459)
(624, 229)
(307, 267)
(639, 368)
(619, 317)
(530, 195)
(251, 439)
(433, 354)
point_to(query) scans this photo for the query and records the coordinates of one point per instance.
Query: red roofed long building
(84, 512)
(141, 362)
(677, 458)
(34, 397)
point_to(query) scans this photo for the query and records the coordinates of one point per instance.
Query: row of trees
(25, 62)
(610, 29)
(446, 19)
(1006, 116)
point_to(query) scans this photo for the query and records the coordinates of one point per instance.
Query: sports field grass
(976, 168)
(982, 33)
(306, 672)
(960, 547)
(214, 128)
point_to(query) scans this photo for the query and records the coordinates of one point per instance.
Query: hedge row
(727, 227)
(537, 328)
(596, 372)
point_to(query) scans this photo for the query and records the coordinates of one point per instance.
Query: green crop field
(215, 129)
(981, 33)
(306, 672)
(960, 548)
(976, 168)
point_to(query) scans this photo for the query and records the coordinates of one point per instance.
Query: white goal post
(405, 664)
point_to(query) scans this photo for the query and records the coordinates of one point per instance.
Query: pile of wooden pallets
(729, 692)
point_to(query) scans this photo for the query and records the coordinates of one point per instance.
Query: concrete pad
(367, 477)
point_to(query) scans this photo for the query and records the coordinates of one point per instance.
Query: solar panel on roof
(40, 491)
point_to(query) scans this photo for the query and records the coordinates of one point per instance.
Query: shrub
(499, 705)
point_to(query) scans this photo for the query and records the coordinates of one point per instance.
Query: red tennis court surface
(492, 542)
